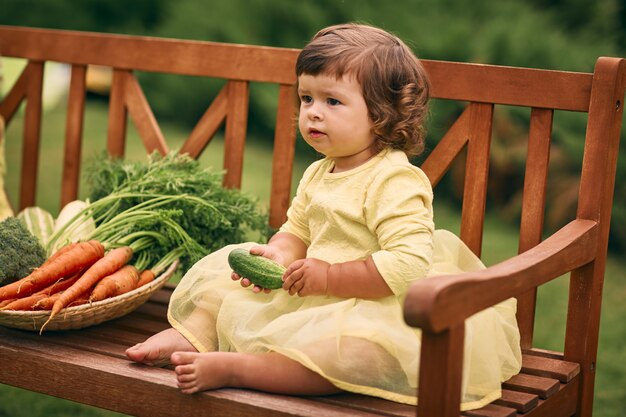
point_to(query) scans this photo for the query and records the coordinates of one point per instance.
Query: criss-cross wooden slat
(127, 98)
(448, 147)
(142, 116)
(207, 126)
(29, 87)
(11, 102)
(73, 134)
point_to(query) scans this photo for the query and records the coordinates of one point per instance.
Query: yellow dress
(382, 208)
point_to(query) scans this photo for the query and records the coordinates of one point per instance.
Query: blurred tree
(93, 15)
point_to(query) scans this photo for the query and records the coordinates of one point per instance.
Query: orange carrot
(28, 303)
(6, 302)
(121, 281)
(48, 302)
(82, 255)
(145, 277)
(110, 263)
(59, 252)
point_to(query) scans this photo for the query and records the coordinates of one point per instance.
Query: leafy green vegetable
(170, 202)
(20, 251)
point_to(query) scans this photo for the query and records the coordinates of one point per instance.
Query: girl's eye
(306, 99)
(333, 101)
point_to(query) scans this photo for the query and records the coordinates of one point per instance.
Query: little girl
(359, 231)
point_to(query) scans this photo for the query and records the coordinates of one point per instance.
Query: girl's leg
(270, 372)
(157, 349)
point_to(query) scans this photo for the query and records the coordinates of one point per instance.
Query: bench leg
(441, 365)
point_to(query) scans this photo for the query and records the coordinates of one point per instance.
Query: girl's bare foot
(157, 349)
(202, 371)
(270, 372)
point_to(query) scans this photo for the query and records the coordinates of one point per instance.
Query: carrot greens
(168, 203)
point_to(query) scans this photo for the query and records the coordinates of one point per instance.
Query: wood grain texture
(207, 126)
(441, 366)
(32, 134)
(476, 175)
(142, 53)
(118, 114)
(284, 152)
(533, 209)
(73, 135)
(436, 304)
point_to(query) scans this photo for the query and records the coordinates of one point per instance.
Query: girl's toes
(184, 369)
(183, 358)
(187, 385)
(185, 378)
(189, 391)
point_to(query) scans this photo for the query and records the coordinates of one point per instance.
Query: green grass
(500, 242)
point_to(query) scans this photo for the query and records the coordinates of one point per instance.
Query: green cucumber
(259, 270)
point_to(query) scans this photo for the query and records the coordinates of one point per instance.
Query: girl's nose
(314, 113)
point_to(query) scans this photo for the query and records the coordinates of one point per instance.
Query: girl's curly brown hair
(393, 82)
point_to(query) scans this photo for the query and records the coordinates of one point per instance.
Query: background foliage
(550, 34)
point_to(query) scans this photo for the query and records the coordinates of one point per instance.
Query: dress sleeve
(297, 223)
(398, 210)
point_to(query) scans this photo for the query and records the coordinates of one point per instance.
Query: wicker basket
(87, 314)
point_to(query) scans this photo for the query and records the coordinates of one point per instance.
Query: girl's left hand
(307, 276)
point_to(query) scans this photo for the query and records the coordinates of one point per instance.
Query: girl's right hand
(261, 250)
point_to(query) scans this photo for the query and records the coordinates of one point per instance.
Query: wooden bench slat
(543, 387)
(449, 146)
(491, 410)
(208, 124)
(73, 134)
(175, 56)
(551, 368)
(32, 134)
(143, 117)
(118, 115)
(284, 150)
(370, 404)
(235, 132)
(475, 186)
(532, 87)
(121, 385)
(521, 401)
(546, 353)
(533, 209)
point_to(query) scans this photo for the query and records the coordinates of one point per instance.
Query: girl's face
(334, 119)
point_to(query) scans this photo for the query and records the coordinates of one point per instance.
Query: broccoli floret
(20, 251)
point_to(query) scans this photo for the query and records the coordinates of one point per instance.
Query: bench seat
(94, 356)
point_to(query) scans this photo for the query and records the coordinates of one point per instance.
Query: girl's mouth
(314, 133)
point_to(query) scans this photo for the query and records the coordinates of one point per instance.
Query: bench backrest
(481, 86)
(239, 65)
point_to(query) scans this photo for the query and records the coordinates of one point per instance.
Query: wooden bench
(89, 366)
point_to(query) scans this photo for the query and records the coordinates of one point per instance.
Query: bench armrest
(438, 303)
